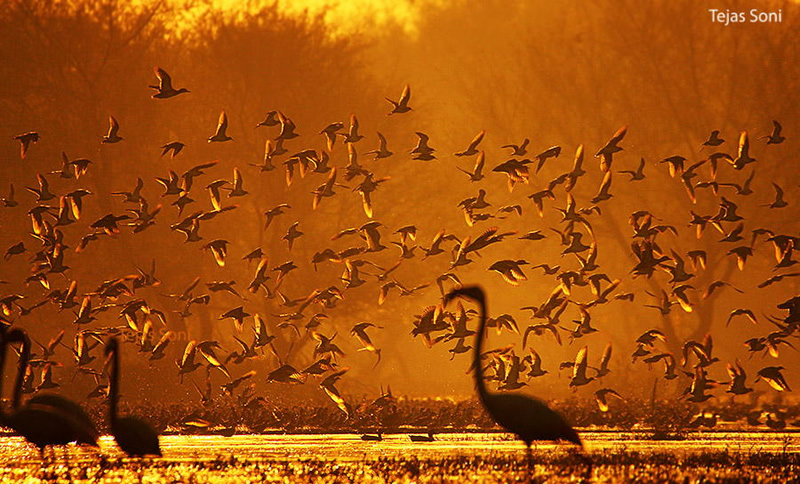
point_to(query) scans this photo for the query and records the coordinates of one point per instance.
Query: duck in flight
(164, 88)
(401, 106)
(222, 127)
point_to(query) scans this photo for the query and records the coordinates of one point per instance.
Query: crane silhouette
(135, 437)
(47, 420)
(527, 417)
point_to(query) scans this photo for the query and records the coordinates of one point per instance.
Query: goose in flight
(352, 135)
(601, 397)
(477, 171)
(775, 137)
(713, 139)
(113, 131)
(25, 141)
(423, 151)
(331, 131)
(382, 151)
(401, 106)
(287, 129)
(520, 149)
(271, 119)
(164, 89)
(222, 126)
(612, 146)
(472, 149)
(743, 156)
(173, 147)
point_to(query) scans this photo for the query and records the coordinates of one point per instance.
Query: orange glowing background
(563, 75)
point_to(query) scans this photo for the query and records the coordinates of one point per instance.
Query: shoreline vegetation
(664, 420)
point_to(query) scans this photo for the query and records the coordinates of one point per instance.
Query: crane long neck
(22, 369)
(483, 393)
(113, 382)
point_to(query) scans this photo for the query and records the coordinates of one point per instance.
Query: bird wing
(405, 96)
(113, 127)
(222, 124)
(189, 352)
(579, 369)
(744, 144)
(164, 81)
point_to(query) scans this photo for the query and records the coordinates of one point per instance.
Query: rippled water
(450, 458)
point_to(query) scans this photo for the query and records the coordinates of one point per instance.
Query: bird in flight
(164, 88)
(473, 145)
(401, 106)
(222, 127)
(113, 130)
(775, 137)
(520, 149)
(25, 141)
(174, 146)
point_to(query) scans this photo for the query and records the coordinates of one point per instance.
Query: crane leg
(528, 462)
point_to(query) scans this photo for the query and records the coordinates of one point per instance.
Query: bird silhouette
(135, 437)
(164, 88)
(222, 127)
(520, 149)
(401, 106)
(382, 151)
(46, 420)
(113, 130)
(713, 139)
(527, 417)
(775, 138)
(25, 141)
(473, 145)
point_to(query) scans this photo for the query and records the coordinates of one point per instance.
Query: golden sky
(348, 16)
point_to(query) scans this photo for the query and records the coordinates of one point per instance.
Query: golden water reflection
(350, 447)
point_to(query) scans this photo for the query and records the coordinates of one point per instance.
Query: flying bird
(612, 146)
(113, 131)
(164, 89)
(25, 141)
(775, 137)
(743, 157)
(473, 145)
(401, 106)
(173, 147)
(222, 126)
(520, 149)
(382, 151)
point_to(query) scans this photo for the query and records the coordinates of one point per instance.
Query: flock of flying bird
(304, 318)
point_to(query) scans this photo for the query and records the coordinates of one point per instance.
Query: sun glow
(371, 17)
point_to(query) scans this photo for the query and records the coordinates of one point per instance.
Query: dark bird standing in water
(529, 418)
(135, 437)
(45, 420)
